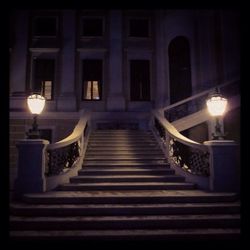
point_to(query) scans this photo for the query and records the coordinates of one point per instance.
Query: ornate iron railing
(191, 160)
(182, 152)
(62, 159)
(197, 102)
(63, 155)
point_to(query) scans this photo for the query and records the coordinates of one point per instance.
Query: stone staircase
(126, 191)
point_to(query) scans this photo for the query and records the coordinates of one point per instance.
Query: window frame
(129, 28)
(45, 16)
(91, 18)
(100, 81)
(33, 76)
(149, 81)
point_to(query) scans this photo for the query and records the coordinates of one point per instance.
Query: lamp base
(33, 134)
(218, 137)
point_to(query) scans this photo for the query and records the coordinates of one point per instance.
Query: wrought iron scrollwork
(185, 109)
(61, 159)
(192, 160)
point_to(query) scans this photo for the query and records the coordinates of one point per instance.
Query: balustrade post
(31, 166)
(224, 166)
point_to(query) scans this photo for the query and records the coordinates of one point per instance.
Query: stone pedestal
(31, 166)
(224, 175)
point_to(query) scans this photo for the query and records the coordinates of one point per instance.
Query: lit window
(47, 89)
(95, 88)
(91, 90)
(44, 74)
(92, 79)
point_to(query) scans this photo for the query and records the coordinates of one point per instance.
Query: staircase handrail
(63, 155)
(205, 92)
(173, 132)
(187, 157)
(74, 136)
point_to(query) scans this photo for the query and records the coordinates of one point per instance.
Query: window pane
(47, 92)
(138, 28)
(139, 80)
(179, 69)
(45, 26)
(92, 27)
(92, 79)
(96, 95)
(44, 70)
(87, 90)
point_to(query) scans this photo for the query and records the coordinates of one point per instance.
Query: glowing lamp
(216, 105)
(36, 105)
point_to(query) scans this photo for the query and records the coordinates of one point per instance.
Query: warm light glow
(36, 103)
(95, 90)
(216, 105)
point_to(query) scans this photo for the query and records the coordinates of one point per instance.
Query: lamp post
(36, 105)
(216, 105)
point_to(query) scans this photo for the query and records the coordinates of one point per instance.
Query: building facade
(121, 63)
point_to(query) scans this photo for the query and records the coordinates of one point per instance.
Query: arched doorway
(179, 69)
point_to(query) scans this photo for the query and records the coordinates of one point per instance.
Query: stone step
(128, 197)
(128, 140)
(124, 171)
(124, 209)
(127, 168)
(123, 149)
(125, 222)
(126, 186)
(121, 132)
(118, 136)
(125, 157)
(159, 234)
(126, 178)
(123, 144)
(115, 163)
(91, 153)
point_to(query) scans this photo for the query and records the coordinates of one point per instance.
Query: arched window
(179, 68)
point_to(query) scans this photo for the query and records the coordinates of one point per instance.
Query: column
(115, 100)
(67, 99)
(18, 61)
(160, 66)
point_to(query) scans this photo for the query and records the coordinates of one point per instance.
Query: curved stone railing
(213, 165)
(188, 157)
(64, 158)
(197, 102)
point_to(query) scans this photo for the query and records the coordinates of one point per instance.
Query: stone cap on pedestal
(220, 143)
(32, 141)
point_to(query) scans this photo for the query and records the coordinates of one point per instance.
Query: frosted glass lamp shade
(36, 103)
(217, 105)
